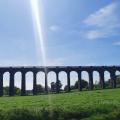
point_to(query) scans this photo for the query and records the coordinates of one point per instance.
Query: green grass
(86, 105)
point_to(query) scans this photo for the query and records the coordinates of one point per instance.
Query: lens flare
(38, 31)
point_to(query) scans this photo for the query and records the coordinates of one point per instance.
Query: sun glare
(37, 22)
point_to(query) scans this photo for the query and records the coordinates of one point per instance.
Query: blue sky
(76, 32)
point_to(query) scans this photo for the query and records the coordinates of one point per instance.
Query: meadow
(86, 105)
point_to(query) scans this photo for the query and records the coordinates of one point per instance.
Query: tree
(108, 82)
(16, 90)
(83, 83)
(39, 89)
(75, 86)
(6, 90)
(118, 80)
(53, 85)
(66, 88)
(59, 84)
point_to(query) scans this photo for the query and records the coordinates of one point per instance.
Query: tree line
(40, 89)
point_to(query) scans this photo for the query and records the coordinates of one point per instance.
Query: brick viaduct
(34, 69)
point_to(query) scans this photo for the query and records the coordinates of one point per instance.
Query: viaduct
(46, 69)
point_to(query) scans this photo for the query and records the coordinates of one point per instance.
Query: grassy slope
(102, 104)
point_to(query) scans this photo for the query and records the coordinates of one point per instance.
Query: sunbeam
(37, 22)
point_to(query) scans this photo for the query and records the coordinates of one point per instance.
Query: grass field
(86, 105)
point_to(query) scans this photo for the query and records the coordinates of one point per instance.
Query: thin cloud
(103, 16)
(94, 34)
(15, 62)
(54, 28)
(56, 62)
(116, 43)
(103, 23)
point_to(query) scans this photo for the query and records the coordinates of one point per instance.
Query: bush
(96, 113)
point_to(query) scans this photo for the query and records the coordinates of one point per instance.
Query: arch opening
(117, 73)
(17, 81)
(6, 82)
(107, 79)
(63, 79)
(73, 80)
(96, 80)
(29, 83)
(85, 80)
(52, 81)
(40, 77)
